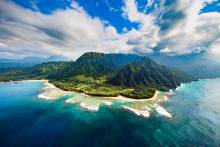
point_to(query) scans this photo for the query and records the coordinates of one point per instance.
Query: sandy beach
(140, 107)
(123, 98)
(50, 91)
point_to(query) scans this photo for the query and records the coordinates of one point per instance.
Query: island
(105, 75)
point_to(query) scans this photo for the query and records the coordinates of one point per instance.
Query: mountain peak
(148, 73)
(92, 54)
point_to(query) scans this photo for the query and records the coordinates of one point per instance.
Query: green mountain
(44, 70)
(40, 71)
(105, 75)
(97, 64)
(147, 73)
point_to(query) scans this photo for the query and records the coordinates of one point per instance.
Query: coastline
(51, 92)
(22, 81)
(120, 97)
(140, 107)
(49, 89)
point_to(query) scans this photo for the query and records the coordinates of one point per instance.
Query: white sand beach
(140, 107)
(51, 92)
(123, 98)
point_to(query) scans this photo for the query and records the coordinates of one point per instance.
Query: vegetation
(106, 90)
(90, 89)
(101, 74)
(140, 93)
(148, 73)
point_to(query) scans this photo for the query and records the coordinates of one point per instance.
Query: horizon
(109, 73)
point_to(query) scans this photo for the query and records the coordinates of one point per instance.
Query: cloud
(165, 50)
(173, 27)
(146, 37)
(195, 32)
(68, 32)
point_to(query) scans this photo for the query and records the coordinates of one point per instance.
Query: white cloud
(68, 32)
(165, 50)
(214, 51)
(146, 37)
(3, 45)
(195, 32)
(149, 3)
(72, 32)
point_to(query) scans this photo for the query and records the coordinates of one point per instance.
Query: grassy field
(99, 87)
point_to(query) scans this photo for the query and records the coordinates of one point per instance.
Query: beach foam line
(144, 113)
(149, 109)
(123, 98)
(71, 101)
(84, 94)
(182, 85)
(43, 96)
(51, 92)
(107, 103)
(162, 111)
(89, 107)
(166, 98)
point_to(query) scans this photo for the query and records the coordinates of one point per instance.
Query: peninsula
(106, 75)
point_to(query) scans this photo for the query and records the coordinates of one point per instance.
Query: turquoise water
(26, 120)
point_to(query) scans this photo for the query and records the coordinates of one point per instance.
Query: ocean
(26, 120)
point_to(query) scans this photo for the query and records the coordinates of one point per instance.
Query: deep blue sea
(28, 121)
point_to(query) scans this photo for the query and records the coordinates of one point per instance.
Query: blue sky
(70, 28)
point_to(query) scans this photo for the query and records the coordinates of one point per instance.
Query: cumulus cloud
(146, 37)
(175, 27)
(165, 50)
(71, 32)
(172, 27)
(65, 32)
(195, 32)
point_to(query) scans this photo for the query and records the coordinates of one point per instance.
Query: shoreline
(140, 107)
(50, 92)
(49, 89)
(120, 97)
(22, 81)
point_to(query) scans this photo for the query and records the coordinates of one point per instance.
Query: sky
(72, 27)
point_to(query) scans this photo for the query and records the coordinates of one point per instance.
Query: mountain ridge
(149, 73)
(99, 74)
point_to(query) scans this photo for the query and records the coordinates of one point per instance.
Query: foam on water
(139, 107)
(144, 113)
(162, 111)
(71, 101)
(89, 107)
(107, 103)
(42, 123)
(50, 91)
(43, 96)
